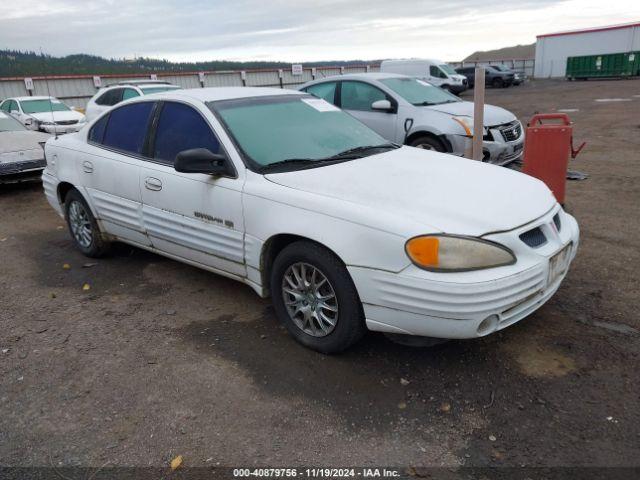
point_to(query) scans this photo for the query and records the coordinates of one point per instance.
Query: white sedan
(292, 196)
(44, 114)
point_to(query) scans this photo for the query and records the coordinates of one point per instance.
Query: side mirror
(201, 160)
(28, 122)
(384, 105)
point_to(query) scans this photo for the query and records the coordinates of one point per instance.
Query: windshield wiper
(363, 149)
(289, 161)
(350, 154)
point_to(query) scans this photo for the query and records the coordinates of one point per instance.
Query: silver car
(407, 110)
(21, 150)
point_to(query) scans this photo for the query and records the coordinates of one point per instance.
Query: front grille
(511, 131)
(557, 222)
(67, 122)
(534, 238)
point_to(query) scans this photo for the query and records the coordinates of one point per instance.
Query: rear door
(357, 97)
(110, 169)
(196, 217)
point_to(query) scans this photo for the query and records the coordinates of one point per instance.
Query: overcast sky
(294, 30)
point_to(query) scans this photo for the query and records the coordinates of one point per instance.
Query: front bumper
(497, 151)
(12, 168)
(61, 129)
(467, 304)
(456, 89)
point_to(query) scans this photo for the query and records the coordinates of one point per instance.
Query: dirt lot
(158, 358)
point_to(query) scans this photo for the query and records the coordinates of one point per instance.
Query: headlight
(454, 253)
(467, 124)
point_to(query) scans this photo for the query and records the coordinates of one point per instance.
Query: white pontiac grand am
(292, 196)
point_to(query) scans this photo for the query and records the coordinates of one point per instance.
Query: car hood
(492, 115)
(21, 140)
(58, 116)
(439, 191)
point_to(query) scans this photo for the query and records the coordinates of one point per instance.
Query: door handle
(152, 183)
(87, 167)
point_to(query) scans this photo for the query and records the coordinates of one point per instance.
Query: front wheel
(315, 298)
(427, 142)
(83, 226)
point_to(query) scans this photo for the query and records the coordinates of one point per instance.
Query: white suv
(113, 94)
(302, 202)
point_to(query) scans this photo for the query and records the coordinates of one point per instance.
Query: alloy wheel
(80, 224)
(310, 299)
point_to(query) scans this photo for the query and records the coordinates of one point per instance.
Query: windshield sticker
(320, 105)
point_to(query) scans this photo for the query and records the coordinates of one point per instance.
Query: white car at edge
(44, 114)
(290, 195)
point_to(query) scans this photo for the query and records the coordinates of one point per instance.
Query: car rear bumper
(467, 304)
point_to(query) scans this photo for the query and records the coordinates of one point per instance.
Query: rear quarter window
(126, 129)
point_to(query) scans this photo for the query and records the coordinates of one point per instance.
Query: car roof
(20, 99)
(213, 94)
(139, 83)
(362, 76)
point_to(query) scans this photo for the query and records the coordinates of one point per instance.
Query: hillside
(519, 52)
(16, 63)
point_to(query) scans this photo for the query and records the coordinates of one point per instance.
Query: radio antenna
(46, 82)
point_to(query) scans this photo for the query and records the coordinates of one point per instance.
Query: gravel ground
(158, 358)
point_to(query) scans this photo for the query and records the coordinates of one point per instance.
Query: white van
(435, 72)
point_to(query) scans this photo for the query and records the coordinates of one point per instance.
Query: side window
(435, 71)
(326, 91)
(5, 106)
(96, 134)
(110, 97)
(13, 106)
(129, 93)
(180, 128)
(359, 96)
(127, 127)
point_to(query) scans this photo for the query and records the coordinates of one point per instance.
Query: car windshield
(448, 69)
(418, 92)
(296, 131)
(164, 88)
(501, 68)
(9, 124)
(44, 105)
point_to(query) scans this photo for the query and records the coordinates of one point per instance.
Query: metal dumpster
(612, 65)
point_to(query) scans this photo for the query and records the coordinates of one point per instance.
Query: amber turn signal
(424, 250)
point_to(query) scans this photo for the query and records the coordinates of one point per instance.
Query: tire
(497, 83)
(446, 87)
(427, 142)
(304, 315)
(83, 226)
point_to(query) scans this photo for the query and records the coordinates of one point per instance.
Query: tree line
(15, 63)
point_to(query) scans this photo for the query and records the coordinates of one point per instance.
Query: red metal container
(547, 148)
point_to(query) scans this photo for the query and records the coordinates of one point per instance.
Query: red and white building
(552, 49)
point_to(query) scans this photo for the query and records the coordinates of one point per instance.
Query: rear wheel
(315, 298)
(427, 142)
(83, 226)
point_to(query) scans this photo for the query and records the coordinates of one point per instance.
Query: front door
(196, 217)
(357, 97)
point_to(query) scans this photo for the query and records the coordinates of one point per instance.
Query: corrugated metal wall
(76, 90)
(552, 51)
